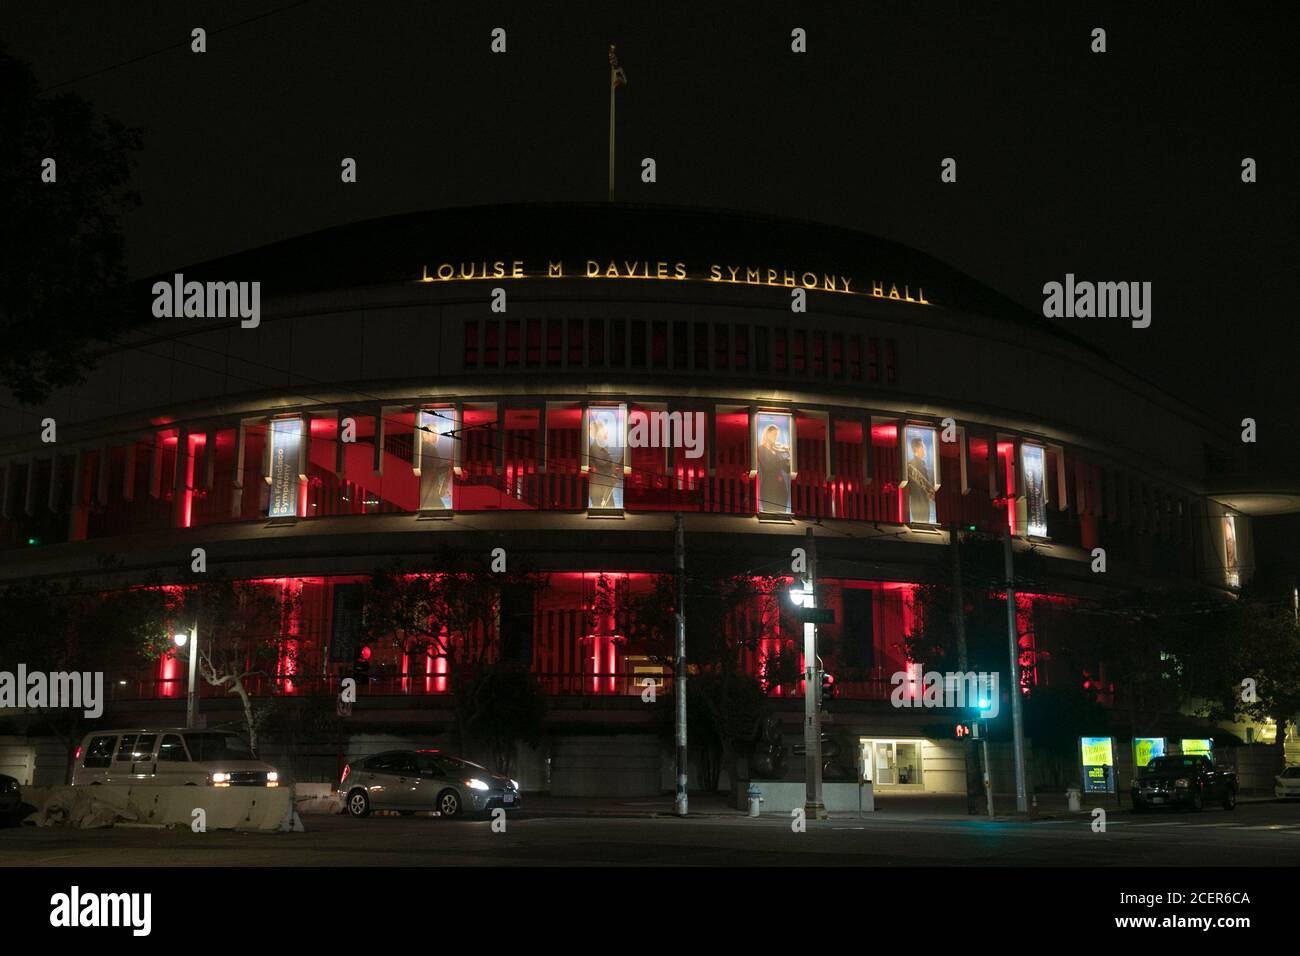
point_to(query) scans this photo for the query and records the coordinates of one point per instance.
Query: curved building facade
(559, 382)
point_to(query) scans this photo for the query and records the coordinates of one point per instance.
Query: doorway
(891, 763)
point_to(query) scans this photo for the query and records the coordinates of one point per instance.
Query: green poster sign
(1191, 747)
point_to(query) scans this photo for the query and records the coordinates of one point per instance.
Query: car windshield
(1174, 763)
(218, 747)
(457, 765)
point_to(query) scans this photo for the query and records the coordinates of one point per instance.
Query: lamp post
(192, 700)
(812, 725)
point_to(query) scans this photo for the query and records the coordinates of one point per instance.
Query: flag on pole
(617, 76)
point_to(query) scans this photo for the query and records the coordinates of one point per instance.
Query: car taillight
(347, 769)
(77, 755)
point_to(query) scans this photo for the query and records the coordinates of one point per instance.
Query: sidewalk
(888, 806)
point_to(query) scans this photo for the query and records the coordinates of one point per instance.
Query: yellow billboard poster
(1098, 759)
(1145, 748)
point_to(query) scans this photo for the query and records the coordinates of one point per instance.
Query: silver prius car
(411, 780)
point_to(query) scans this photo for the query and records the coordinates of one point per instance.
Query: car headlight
(514, 784)
(476, 784)
(220, 779)
(272, 778)
(1182, 783)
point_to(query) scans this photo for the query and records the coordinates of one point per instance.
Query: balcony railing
(626, 682)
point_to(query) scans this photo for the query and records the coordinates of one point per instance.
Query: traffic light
(361, 664)
(826, 692)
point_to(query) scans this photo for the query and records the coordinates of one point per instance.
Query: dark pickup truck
(1185, 781)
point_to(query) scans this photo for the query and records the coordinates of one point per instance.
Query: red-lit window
(890, 363)
(810, 493)
(848, 488)
(837, 355)
(491, 343)
(800, 351)
(471, 344)
(730, 490)
(596, 343)
(701, 345)
(575, 343)
(780, 359)
(742, 348)
(512, 343)
(819, 354)
(886, 502)
(855, 358)
(760, 348)
(721, 345)
(659, 344)
(681, 346)
(637, 345)
(648, 486)
(561, 488)
(256, 493)
(873, 360)
(520, 458)
(533, 354)
(617, 343)
(479, 487)
(212, 505)
(1007, 466)
(554, 342)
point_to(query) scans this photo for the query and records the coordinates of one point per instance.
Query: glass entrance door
(886, 763)
(890, 763)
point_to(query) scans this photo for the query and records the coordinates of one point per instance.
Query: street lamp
(805, 597)
(192, 700)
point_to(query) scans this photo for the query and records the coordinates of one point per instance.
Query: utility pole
(1013, 639)
(970, 754)
(612, 87)
(679, 666)
(812, 725)
(617, 78)
(192, 704)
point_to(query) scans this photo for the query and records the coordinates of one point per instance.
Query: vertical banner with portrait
(285, 445)
(604, 454)
(920, 482)
(1230, 551)
(438, 437)
(774, 461)
(1034, 467)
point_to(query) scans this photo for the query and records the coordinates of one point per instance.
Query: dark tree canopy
(62, 278)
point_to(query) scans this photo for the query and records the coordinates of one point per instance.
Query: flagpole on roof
(617, 78)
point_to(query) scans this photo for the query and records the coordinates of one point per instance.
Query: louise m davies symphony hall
(518, 419)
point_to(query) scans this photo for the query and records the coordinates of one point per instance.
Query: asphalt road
(1255, 834)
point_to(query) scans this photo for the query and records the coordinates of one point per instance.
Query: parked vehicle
(411, 780)
(11, 798)
(1286, 785)
(170, 757)
(1187, 781)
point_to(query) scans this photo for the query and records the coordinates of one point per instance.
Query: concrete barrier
(225, 808)
(782, 796)
(317, 798)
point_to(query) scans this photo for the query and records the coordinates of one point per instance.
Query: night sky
(1116, 166)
